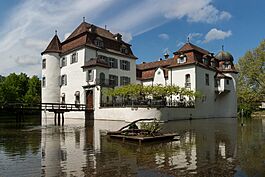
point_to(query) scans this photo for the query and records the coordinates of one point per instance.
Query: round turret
(51, 72)
(224, 56)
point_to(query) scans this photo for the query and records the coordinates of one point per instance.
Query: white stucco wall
(51, 92)
(76, 78)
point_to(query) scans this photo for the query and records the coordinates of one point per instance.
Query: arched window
(77, 97)
(101, 78)
(63, 98)
(99, 42)
(187, 81)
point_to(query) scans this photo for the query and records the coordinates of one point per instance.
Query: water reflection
(212, 147)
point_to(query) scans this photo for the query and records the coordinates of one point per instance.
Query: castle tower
(51, 72)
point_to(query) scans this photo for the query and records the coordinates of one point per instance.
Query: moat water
(211, 147)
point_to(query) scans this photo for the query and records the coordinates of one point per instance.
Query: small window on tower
(44, 64)
(43, 81)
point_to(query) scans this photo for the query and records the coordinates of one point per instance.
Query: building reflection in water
(205, 147)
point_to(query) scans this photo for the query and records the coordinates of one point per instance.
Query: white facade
(71, 76)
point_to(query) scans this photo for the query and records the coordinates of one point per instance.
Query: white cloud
(192, 36)
(27, 60)
(163, 36)
(66, 35)
(127, 37)
(31, 24)
(215, 34)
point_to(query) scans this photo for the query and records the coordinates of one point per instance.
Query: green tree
(33, 94)
(251, 79)
(20, 88)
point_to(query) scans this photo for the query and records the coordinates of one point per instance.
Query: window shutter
(115, 63)
(128, 67)
(60, 81)
(87, 76)
(65, 79)
(129, 80)
(76, 56)
(61, 62)
(121, 64)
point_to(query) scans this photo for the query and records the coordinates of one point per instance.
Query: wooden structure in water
(142, 139)
(141, 135)
(57, 108)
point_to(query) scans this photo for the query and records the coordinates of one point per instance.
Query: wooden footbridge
(57, 108)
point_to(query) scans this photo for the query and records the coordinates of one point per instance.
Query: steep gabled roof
(84, 27)
(191, 47)
(155, 64)
(54, 46)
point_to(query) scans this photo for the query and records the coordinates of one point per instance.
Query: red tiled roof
(189, 47)
(96, 62)
(54, 46)
(82, 36)
(155, 64)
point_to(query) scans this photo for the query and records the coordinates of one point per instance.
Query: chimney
(118, 37)
(166, 55)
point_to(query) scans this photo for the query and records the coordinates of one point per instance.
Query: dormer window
(213, 63)
(226, 65)
(182, 59)
(99, 42)
(205, 61)
(124, 49)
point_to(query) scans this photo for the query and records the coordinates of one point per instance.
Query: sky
(153, 27)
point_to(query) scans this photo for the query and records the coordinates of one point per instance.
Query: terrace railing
(149, 103)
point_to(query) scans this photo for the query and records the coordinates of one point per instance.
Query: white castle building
(78, 69)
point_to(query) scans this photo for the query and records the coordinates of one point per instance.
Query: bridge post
(59, 118)
(55, 118)
(62, 118)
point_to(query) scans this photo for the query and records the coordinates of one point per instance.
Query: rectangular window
(227, 81)
(104, 58)
(63, 80)
(89, 76)
(113, 80)
(124, 65)
(113, 62)
(43, 81)
(216, 82)
(125, 80)
(63, 62)
(207, 82)
(44, 64)
(74, 58)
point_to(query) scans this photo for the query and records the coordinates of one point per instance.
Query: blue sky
(151, 26)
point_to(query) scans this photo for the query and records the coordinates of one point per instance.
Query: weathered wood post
(62, 118)
(59, 118)
(55, 118)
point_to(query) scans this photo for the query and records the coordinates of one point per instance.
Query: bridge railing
(45, 106)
